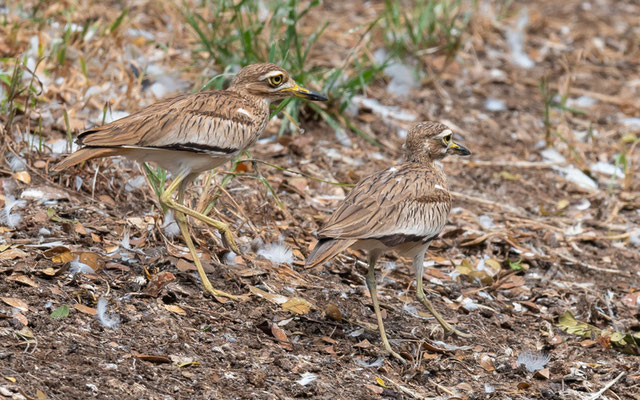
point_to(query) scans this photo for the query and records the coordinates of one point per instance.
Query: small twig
(486, 202)
(587, 265)
(607, 386)
(406, 390)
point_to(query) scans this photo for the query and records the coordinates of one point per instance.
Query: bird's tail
(85, 154)
(326, 249)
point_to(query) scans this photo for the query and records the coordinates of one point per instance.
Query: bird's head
(271, 82)
(432, 141)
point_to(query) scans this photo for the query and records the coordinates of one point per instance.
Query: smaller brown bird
(402, 208)
(193, 133)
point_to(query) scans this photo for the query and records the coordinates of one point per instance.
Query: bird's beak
(299, 91)
(458, 149)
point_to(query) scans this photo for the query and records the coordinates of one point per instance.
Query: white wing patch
(245, 112)
(438, 187)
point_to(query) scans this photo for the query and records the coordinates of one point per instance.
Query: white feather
(111, 321)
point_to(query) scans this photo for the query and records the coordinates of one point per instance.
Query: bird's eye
(447, 139)
(276, 80)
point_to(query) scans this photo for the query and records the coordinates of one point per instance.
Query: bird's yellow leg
(418, 264)
(181, 220)
(371, 284)
(223, 228)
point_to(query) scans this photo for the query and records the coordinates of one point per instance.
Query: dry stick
(587, 265)
(617, 100)
(407, 390)
(607, 386)
(486, 202)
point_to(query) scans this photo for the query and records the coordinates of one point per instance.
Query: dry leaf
(152, 358)
(542, 373)
(23, 279)
(107, 200)
(23, 320)
(279, 334)
(59, 254)
(274, 298)
(79, 229)
(375, 389)
(40, 395)
(17, 303)
(91, 259)
(333, 312)
(157, 282)
(22, 176)
(85, 309)
(486, 363)
(363, 344)
(297, 305)
(12, 253)
(175, 309)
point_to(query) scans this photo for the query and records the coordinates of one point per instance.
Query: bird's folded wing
(404, 200)
(210, 122)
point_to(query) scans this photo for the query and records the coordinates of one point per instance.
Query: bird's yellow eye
(447, 139)
(276, 80)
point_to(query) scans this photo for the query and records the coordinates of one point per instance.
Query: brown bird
(192, 133)
(402, 208)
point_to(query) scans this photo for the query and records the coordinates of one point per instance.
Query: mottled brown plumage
(192, 133)
(401, 208)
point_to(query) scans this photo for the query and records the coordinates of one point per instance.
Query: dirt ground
(537, 230)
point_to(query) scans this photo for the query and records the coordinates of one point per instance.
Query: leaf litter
(542, 227)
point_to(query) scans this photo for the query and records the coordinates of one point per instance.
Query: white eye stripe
(270, 75)
(445, 133)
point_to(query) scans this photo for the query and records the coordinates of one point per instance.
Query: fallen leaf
(375, 389)
(380, 382)
(542, 373)
(157, 282)
(523, 385)
(17, 303)
(588, 343)
(22, 176)
(486, 363)
(59, 254)
(22, 279)
(40, 395)
(281, 336)
(60, 312)
(12, 253)
(333, 312)
(175, 309)
(25, 333)
(274, 298)
(152, 358)
(91, 259)
(85, 309)
(363, 344)
(297, 305)
(107, 200)
(23, 320)
(79, 229)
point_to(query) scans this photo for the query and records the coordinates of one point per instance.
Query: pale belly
(177, 162)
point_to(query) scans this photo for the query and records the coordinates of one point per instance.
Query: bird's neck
(260, 101)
